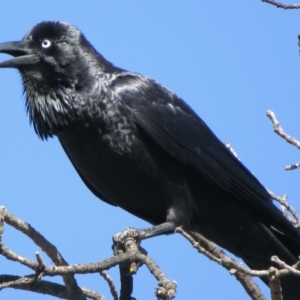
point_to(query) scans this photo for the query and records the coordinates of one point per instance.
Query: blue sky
(230, 60)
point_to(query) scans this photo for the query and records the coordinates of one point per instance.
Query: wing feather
(172, 124)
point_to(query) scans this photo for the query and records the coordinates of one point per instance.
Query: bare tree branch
(20, 281)
(283, 265)
(126, 279)
(274, 283)
(127, 269)
(132, 260)
(133, 257)
(278, 129)
(292, 167)
(43, 287)
(69, 280)
(242, 274)
(166, 288)
(111, 285)
(214, 253)
(285, 208)
(282, 5)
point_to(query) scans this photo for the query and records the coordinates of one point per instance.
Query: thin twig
(283, 265)
(278, 129)
(40, 261)
(1, 223)
(293, 167)
(9, 254)
(111, 285)
(285, 206)
(282, 5)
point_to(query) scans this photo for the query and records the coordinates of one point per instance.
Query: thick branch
(274, 283)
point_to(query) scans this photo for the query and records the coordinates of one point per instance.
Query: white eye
(46, 43)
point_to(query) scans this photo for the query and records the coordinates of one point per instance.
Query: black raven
(137, 145)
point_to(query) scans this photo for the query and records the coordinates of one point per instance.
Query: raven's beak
(22, 55)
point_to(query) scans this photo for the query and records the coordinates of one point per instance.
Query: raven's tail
(255, 243)
(285, 248)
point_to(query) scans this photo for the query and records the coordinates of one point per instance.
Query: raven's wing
(172, 124)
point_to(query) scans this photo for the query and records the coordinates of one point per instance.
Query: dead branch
(166, 289)
(286, 208)
(111, 285)
(278, 129)
(214, 253)
(69, 280)
(282, 5)
(274, 283)
(242, 274)
(43, 287)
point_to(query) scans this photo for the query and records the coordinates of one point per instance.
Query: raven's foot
(129, 240)
(138, 235)
(129, 232)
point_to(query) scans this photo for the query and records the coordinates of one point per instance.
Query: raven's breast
(142, 178)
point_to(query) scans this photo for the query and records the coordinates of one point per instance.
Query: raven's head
(56, 63)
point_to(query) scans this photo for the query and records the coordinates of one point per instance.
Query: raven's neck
(50, 109)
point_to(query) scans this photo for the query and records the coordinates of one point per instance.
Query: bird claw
(127, 240)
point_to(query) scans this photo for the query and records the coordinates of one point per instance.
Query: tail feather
(278, 242)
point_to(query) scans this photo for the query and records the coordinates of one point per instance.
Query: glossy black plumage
(137, 145)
